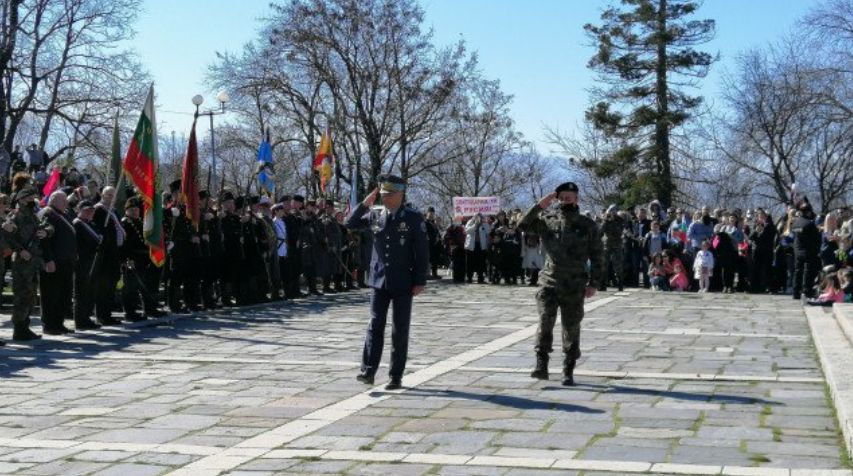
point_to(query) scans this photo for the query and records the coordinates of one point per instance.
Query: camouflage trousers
(613, 261)
(24, 286)
(569, 301)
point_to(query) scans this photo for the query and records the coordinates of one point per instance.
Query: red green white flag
(142, 166)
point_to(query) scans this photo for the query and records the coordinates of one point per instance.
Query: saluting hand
(371, 199)
(547, 200)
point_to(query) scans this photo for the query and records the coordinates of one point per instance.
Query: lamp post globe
(223, 97)
(198, 99)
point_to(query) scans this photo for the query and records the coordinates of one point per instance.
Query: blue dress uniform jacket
(400, 255)
(399, 261)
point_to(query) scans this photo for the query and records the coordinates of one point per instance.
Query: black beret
(254, 199)
(431, 210)
(202, 194)
(240, 202)
(284, 198)
(133, 202)
(175, 186)
(567, 187)
(299, 198)
(225, 196)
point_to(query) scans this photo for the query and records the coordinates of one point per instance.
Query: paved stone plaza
(668, 384)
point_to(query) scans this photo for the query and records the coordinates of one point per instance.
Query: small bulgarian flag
(142, 166)
(324, 162)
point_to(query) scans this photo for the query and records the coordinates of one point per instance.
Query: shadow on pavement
(520, 403)
(672, 394)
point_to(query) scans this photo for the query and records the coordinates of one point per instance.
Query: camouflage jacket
(611, 231)
(24, 237)
(571, 241)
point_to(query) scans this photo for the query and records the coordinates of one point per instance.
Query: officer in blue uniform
(398, 272)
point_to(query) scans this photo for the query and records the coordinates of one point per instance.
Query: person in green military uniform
(23, 231)
(612, 228)
(571, 242)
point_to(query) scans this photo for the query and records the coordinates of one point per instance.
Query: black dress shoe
(25, 334)
(364, 378)
(52, 332)
(157, 313)
(135, 318)
(109, 322)
(86, 325)
(394, 384)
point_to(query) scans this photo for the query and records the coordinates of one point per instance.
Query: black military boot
(24, 333)
(568, 373)
(541, 370)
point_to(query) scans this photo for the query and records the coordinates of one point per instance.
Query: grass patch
(698, 422)
(758, 459)
(766, 411)
(548, 425)
(309, 459)
(742, 447)
(367, 447)
(774, 367)
(777, 434)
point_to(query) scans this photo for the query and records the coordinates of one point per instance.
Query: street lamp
(198, 100)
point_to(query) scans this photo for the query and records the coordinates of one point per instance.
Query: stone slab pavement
(668, 383)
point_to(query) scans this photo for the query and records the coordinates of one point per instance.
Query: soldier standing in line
(293, 223)
(399, 265)
(211, 250)
(232, 251)
(571, 240)
(611, 236)
(185, 252)
(107, 260)
(89, 237)
(138, 270)
(313, 254)
(331, 240)
(23, 232)
(56, 280)
(271, 261)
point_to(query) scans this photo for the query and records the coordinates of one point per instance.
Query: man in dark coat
(107, 261)
(56, 280)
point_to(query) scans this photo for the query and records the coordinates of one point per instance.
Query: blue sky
(537, 48)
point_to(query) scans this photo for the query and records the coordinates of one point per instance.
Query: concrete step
(835, 350)
(844, 315)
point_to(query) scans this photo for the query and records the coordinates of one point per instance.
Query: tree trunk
(664, 186)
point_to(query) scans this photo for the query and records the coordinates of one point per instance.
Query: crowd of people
(84, 255)
(677, 250)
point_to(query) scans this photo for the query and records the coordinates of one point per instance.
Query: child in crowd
(831, 294)
(703, 266)
(678, 281)
(845, 278)
(657, 273)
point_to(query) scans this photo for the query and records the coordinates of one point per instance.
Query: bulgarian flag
(325, 161)
(189, 181)
(142, 166)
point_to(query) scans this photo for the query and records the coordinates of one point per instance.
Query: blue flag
(266, 174)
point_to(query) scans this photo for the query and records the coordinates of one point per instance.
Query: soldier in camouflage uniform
(611, 236)
(570, 240)
(23, 231)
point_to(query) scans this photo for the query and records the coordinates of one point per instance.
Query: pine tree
(645, 60)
